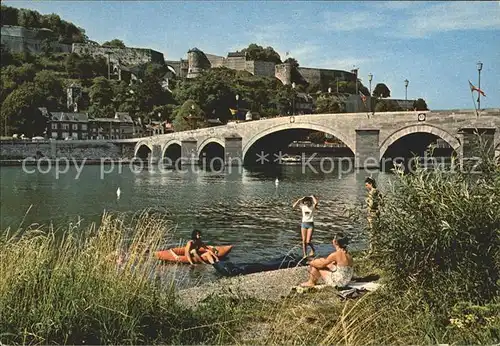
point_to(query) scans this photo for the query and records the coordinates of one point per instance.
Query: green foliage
(115, 43)
(256, 52)
(327, 104)
(447, 248)
(420, 105)
(20, 110)
(475, 324)
(85, 67)
(189, 116)
(381, 91)
(64, 31)
(292, 61)
(101, 97)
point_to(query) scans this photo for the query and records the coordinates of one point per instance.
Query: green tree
(20, 111)
(381, 91)
(256, 52)
(420, 105)
(51, 90)
(115, 43)
(9, 15)
(189, 116)
(101, 98)
(327, 104)
(292, 61)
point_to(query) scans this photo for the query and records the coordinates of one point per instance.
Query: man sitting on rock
(336, 269)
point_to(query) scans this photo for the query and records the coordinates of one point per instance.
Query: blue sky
(435, 45)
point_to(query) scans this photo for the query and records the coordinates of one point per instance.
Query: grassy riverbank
(438, 252)
(64, 286)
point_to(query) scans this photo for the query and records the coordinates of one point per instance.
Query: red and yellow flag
(472, 88)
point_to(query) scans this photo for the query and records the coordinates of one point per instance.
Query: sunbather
(336, 269)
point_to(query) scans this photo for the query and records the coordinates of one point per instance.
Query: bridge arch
(346, 139)
(408, 130)
(172, 149)
(207, 141)
(142, 150)
(211, 151)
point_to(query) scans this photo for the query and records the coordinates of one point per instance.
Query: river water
(242, 207)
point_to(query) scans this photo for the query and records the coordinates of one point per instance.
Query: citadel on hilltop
(198, 61)
(18, 39)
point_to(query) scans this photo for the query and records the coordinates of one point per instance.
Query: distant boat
(118, 193)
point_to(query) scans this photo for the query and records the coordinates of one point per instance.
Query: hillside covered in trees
(30, 82)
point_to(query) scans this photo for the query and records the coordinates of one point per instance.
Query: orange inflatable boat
(166, 255)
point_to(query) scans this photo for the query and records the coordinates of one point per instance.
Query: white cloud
(451, 16)
(416, 19)
(343, 63)
(352, 21)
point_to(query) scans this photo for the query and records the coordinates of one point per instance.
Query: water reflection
(244, 208)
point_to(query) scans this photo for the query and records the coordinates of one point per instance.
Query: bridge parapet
(367, 135)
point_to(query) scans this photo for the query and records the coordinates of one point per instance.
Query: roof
(66, 116)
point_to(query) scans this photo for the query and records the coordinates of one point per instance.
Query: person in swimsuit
(308, 205)
(336, 269)
(193, 252)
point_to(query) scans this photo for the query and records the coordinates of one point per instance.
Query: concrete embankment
(92, 151)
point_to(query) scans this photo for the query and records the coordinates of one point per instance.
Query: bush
(440, 236)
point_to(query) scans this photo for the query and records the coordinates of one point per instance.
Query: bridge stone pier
(368, 136)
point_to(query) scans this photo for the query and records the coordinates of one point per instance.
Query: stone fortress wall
(124, 56)
(199, 61)
(17, 39)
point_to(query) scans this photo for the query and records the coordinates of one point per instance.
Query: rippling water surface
(243, 208)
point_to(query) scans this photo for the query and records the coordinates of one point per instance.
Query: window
(74, 135)
(74, 127)
(94, 129)
(54, 126)
(84, 127)
(65, 126)
(84, 136)
(54, 134)
(65, 135)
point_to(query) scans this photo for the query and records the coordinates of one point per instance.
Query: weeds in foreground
(66, 288)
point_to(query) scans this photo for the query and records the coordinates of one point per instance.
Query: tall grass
(65, 286)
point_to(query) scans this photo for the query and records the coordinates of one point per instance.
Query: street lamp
(479, 68)
(293, 99)
(370, 78)
(406, 89)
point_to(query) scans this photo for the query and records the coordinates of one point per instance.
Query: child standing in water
(307, 205)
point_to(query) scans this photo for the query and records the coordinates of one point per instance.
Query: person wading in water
(307, 205)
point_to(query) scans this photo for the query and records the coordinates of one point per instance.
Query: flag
(233, 111)
(363, 97)
(472, 88)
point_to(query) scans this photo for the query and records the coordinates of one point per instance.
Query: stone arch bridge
(368, 136)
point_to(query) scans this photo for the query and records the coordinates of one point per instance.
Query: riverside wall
(77, 150)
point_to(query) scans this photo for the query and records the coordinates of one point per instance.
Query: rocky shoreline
(270, 285)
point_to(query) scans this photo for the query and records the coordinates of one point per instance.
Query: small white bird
(276, 182)
(118, 193)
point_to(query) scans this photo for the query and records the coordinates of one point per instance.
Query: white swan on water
(118, 193)
(276, 182)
